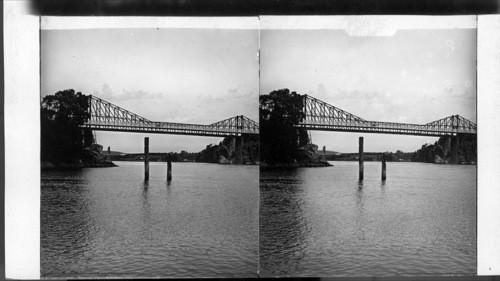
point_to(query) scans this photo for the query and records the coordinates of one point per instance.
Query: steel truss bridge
(105, 116)
(322, 116)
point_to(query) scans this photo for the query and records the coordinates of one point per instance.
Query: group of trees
(62, 138)
(209, 155)
(280, 141)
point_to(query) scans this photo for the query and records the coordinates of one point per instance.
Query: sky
(206, 75)
(414, 76)
(186, 75)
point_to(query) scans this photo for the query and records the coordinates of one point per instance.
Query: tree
(62, 114)
(280, 111)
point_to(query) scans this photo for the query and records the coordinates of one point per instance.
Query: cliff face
(460, 149)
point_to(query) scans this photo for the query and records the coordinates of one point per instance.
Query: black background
(240, 8)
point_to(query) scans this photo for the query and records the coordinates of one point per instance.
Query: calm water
(100, 222)
(322, 222)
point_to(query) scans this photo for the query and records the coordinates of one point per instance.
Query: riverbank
(295, 165)
(307, 157)
(89, 158)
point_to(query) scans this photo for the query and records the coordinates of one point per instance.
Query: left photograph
(149, 152)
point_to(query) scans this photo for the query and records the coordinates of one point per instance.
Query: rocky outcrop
(439, 160)
(238, 150)
(309, 157)
(224, 160)
(460, 149)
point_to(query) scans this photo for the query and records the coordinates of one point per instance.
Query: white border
(488, 102)
(22, 142)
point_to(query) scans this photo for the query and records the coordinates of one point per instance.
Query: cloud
(107, 93)
(139, 94)
(233, 95)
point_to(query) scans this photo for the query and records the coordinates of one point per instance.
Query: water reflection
(108, 222)
(346, 227)
(284, 209)
(65, 215)
(382, 188)
(360, 214)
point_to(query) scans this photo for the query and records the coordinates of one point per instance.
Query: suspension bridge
(105, 116)
(322, 116)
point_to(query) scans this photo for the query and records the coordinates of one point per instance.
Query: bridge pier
(146, 159)
(360, 156)
(169, 167)
(383, 167)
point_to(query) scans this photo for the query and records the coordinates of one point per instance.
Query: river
(106, 222)
(323, 222)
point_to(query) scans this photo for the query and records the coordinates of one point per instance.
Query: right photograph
(368, 151)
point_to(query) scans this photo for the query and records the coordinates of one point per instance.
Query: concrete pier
(361, 165)
(169, 167)
(383, 167)
(146, 159)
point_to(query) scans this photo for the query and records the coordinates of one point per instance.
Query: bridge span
(105, 116)
(322, 116)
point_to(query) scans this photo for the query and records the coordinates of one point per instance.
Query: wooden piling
(146, 159)
(169, 167)
(383, 167)
(361, 167)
